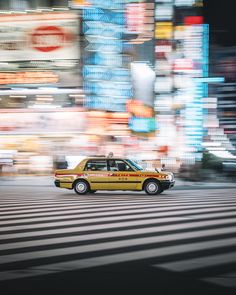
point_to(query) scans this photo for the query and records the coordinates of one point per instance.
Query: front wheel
(81, 187)
(152, 187)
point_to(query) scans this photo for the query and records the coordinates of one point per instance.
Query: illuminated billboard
(39, 36)
(141, 107)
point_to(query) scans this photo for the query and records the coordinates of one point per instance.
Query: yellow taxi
(105, 173)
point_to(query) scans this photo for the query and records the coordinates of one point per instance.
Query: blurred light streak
(120, 108)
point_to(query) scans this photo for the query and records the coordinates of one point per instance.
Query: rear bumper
(167, 184)
(57, 183)
(63, 184)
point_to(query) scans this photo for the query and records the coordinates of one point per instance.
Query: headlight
(170, 177)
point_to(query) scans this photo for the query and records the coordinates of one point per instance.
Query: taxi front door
(122, 176)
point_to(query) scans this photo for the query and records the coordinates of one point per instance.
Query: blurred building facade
(86, 77)
(223, 63)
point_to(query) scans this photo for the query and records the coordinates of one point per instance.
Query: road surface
(52, 240)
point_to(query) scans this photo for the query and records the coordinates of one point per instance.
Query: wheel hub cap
(152, 187)
(81, 187)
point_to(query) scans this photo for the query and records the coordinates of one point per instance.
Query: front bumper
(166, 184)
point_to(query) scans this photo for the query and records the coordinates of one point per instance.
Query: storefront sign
(28, 78)
(164, 30)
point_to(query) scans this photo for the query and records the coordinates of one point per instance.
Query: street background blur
(147, 80)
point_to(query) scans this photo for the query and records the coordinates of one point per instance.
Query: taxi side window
(112, 165)
(96, 165)
(119, 165)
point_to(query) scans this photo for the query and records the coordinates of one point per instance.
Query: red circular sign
(48, 38)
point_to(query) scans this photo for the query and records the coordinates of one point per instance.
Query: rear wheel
(81, 187)
(152, 187)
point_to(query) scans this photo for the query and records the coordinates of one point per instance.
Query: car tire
(152, 187)
(81, 187)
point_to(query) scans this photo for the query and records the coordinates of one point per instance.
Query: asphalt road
(53, 241)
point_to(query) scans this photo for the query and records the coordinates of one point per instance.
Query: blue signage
(105, 16)
(142, 124)
(110, 60)
(102, 88)
(99, 28)
(104, 45)
(106, 103)
(108, 4)
(92, 72)
(107, 82)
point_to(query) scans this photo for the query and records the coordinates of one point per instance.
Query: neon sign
(107, 82)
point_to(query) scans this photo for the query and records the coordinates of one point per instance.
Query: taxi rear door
(96, 172)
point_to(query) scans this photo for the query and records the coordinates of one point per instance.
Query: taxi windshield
(135, 165)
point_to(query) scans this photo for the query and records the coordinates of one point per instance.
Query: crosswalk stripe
(226, 279)
(124, 197)
(70, 202)
(74, 220)
(81, 208)
(100, 218)
(69, 250)
(116, 211)
(200, 262)
(114, 226)
(64, 232)
(93, 208)
(120, 233)
(102, 205)
(20, 207)
(45, 208)
(90, 221)
(75, 238)
(114, 258)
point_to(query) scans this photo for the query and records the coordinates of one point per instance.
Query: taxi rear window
(96, 165)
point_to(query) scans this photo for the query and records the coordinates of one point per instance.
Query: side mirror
(163, 166)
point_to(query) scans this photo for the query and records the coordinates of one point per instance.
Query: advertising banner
(39, 36)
